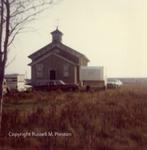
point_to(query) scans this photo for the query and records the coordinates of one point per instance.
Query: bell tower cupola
(56, 36)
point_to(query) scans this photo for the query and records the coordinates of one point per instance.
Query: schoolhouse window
(66, 70)
(39, 70)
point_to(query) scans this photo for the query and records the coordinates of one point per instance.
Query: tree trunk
(3, 49)
(1, 95)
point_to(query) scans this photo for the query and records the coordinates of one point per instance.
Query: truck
(16, 82)
(93, 77)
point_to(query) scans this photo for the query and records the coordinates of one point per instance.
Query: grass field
(114, 119)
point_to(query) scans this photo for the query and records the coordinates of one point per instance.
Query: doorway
(52, 75)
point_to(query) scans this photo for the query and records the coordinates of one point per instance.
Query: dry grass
(105, 120)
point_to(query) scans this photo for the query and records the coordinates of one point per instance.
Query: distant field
(114, 119)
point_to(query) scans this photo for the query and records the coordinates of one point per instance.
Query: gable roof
(44, 50)
(72, 51)
(51, 54)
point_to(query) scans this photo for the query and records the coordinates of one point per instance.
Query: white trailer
(16, 82)
(93, 76)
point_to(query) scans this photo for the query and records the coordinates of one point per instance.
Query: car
(58, 85)
(114, 83)
(28, 88)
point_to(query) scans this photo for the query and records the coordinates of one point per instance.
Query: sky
(111, 33)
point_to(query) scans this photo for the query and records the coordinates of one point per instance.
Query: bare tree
(14, 15)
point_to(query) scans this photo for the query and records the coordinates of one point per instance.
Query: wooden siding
(54, 63)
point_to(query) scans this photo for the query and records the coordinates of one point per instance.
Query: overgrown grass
(105, 120)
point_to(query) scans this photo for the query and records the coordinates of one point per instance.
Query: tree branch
(19, 12)
(25, 20)
(14, 35)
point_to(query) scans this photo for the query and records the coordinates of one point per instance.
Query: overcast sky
(111, 33)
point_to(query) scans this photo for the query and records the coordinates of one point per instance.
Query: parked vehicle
(93, 77)
(16, 82)
(28, 88)
(114, 83)
(57, 85)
